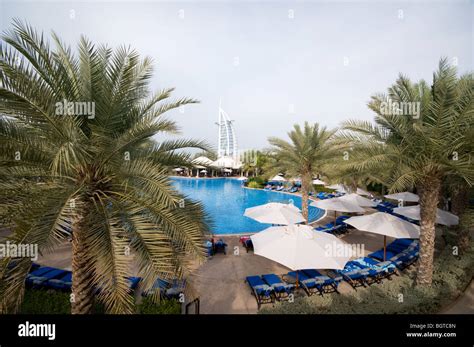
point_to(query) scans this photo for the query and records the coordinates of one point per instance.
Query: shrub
(254, 185)
(163, 307)
(40, 301)
(37, 301)
(320, 188)
(256, 182)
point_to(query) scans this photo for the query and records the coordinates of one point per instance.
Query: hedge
(452, 274)
(40, 301)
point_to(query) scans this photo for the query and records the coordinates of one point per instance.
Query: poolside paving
(220, 282)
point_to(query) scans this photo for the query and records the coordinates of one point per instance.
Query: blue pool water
(226, 200)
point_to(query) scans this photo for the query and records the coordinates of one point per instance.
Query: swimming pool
(226, 200)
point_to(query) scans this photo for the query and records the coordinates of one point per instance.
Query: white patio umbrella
(275, 213)
(318, 182)
(361, 191)
(337, 205)
(299, 247)
(178, 169)
(203, 171)
(339, 187)
(404, 196)
(228, 170)
(385, 224)
(225, 162)
(242, 178)
(442, 217)
(278, 178)
(358, 200)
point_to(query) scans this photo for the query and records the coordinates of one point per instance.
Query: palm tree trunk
(304, 196)
(429, 198)
(459, 202)
(83, 298)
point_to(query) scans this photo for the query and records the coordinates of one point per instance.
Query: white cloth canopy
(178, 169)
(338, 187)
(385, 224)
(358, 200)
(275, 213)
(278, 178)
(228, 170)
(299, 247)
(204, 161)
(318, 182)
(337, 204)
(413, 212)
(226, 162)
(404, 196)
(343, 189)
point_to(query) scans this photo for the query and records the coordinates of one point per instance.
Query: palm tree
(309, 148)
(419, 150)
(98, 177)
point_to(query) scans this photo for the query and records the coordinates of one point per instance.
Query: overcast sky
(272, 63)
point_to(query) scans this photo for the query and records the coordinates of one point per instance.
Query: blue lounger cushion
(379, 254)
(133, 282)
(355, 274)
(44, 274)
(303, 278)
(62, 283)
(277, 284)
(371, 271)
(41, 271)
(366, 262)
(259, 286)
(312, 273)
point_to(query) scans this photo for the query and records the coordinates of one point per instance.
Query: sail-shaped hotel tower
(227, 141)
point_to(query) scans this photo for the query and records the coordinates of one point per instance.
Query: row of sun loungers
(45, 277)
(401, 253)
(293, 189)
(270, 287)
(361, 272)
(339, 227)
(388, 207)
(324, 195)
(385, 206)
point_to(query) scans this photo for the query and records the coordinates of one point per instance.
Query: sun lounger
(327, 284)
(248, 245)
(220, 246)
(175, 290)
(379, 254)
(281, 289)
(353, 275)
(43, 274)
(385, 269)
(61, 283)
(133, 282)
(405, 259)
(160, 285)
(262, 291)
(310, 285)
(374, 274)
